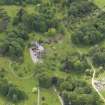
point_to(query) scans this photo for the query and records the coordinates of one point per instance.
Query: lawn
(100, 3)
(21, 71)
(50, 97)
(25, 69)
(26, 84)
(13, 9)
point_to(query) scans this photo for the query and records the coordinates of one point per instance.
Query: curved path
(24, 78)
(21, 78)
(93, 78)
(59, 97)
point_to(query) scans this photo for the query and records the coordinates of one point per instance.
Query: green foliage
(19, 2)
(78, 92)
(98, 55)
(50, 18)
(10, 92)
(81, 8)
(91, 34)
(41, 22)
(87, 35)
(44, 80)
(14, 44)
(4, 20)
(51, 32)
(75, 62)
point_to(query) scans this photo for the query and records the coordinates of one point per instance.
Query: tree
(14, 44)
(41, 22)
(98, 55)
(19, 16)
(87, 35)
(75, 62)
(11, 92)
(82, 94)
(80, 8)
(44, 80)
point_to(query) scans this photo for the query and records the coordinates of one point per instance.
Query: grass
(13, 9)
(26, 84)
(25, 69)
(50, 97)
(64, 47)
(100, 3)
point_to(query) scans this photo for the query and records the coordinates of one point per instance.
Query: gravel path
(59, 97)
(93, 80)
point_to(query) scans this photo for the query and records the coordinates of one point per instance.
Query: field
(50, 97)
(100, 3)
(23, 75)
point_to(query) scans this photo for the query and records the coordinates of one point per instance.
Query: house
(36, 51)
